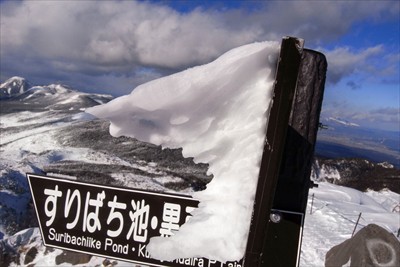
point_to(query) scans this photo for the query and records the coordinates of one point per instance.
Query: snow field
(334, 215)
(28, 142)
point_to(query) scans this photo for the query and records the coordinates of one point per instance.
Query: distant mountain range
(343, 139)
(357, 173)
(53, 97)
(338, 138)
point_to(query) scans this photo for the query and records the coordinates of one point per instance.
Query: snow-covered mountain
(357, 173)
(13, 86)
(44, 130)
(16, 91)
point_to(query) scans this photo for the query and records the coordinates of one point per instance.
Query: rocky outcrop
(357, 173)
(372, 246)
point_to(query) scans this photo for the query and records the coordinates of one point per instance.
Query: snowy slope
(43, 130)
(333, 215)
(28, 129)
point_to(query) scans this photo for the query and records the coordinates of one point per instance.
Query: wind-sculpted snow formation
(218, 114)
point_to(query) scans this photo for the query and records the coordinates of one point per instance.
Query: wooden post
(284, 181)
(285, 84)
(355, 227)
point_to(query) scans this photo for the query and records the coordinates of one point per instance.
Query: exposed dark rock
(372, 246)
(95, 135)
(7, 254)
(30, 255)
(73, 258)
(108, 263)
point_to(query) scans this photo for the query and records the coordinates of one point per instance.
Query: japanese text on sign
(109, 221)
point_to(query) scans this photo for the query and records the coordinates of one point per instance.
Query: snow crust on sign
(217, 113)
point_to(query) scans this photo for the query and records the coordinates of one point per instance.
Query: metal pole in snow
(355, 227)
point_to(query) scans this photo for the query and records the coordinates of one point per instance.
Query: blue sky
(113, 46)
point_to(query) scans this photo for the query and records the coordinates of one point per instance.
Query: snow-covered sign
(109, 221)
(232, 114)
(218, 114)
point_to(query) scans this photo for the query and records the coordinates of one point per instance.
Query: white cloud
(384, 118)
(380, 119)
(343, 61)
(115, 33)
(118, 38)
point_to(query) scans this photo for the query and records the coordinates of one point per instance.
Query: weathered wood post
(281, 197)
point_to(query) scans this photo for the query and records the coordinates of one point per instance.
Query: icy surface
(218, 114)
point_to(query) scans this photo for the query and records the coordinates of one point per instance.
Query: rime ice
(218, 114)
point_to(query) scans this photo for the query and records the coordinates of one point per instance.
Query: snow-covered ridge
(386, 165)
(324, 172)
(13, 86)
(357, 173)
(18, 88)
